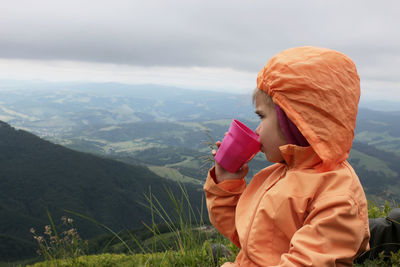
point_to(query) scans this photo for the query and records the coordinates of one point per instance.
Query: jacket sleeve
(334, 232)
(221, 201)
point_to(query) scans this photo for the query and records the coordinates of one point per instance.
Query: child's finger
(243, 171)
(218, 143)
(214, 152)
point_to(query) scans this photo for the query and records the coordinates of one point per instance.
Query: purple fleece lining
(289, 129)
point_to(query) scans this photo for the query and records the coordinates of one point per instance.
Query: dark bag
(385, 236)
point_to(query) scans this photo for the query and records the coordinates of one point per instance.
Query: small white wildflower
(47, 230)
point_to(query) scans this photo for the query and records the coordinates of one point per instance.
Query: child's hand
(221, 174)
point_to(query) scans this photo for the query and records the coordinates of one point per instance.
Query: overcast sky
(219, 45)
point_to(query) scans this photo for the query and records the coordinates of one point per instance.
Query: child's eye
(260, 115)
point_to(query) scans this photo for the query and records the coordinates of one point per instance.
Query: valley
(97, 148)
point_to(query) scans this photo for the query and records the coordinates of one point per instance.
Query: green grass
(201, 257)
(187, 243)
(103, 260)
(19, 263)
(171, 258)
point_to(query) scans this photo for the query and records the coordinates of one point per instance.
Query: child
(309, 208)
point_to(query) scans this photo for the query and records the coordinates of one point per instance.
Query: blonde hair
(268, 99)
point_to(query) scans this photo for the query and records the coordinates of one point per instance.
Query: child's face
(271, 137)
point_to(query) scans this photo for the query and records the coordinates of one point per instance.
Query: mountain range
(61, 111)
(97, 149)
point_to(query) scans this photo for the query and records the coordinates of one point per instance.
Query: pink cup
(239, 146)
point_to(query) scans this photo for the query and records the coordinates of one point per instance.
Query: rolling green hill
(143, 135)
(36, 175)
(181, 146)
(379, 171)
(64, 112)
(379, 129)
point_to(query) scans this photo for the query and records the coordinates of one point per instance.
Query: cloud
(190, 33)
(217, 79)
(226, 34)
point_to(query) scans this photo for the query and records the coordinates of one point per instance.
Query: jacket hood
(319, 90)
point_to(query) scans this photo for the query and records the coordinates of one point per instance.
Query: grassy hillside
(379, 171)
(379, 129)
(161, 259)
(65, 111)
(182, 147)
(154, 133)
(187, 246)
(36, 175)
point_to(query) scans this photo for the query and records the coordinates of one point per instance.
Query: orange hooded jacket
(310, 210)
